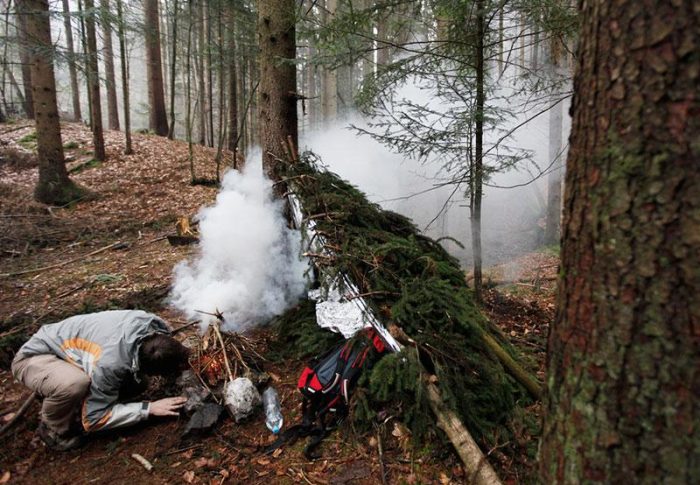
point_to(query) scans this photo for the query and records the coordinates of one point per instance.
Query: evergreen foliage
(411, 280)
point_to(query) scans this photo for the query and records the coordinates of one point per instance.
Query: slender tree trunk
(623, 362)
(232, 88)
(501, 33)
(125, 79)
(14, 83)
(478, 173)
(210, 74)
(158, 120)
(94, 79)
(188, 118)
(164, 40)
(173, 60)
(73, 71)
(200, 76)
(54, 186)
(551, 233)
(110, 84)
(221, 74)
(277, 101)
(329, 94)
(86, 66)
(25, 42)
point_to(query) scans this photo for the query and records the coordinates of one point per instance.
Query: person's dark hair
(162, 355)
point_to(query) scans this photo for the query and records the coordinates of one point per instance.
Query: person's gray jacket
(105, 345)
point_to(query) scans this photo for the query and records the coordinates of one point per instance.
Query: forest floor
(110, 251)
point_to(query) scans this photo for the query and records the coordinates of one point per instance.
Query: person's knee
(77, 387)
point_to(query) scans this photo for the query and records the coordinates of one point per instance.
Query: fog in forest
(512, 220)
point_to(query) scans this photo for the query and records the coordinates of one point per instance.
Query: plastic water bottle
(273, 411)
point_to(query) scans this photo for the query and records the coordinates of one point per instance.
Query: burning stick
(220, 318)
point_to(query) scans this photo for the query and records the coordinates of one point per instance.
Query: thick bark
(125, 79)
(94, 82)
(623, 362)
(277, 101)
(157, 120)
(73, 71)
(25, 43)
(110, 84)
(54, 186)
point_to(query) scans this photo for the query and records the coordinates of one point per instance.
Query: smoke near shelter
(248, 264)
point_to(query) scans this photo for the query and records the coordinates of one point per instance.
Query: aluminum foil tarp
(345, 312)
(337, 313)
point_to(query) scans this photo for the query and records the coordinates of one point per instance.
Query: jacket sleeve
(101, 409)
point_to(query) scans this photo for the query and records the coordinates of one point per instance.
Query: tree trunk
(200, 76)
(125, 80)
(478, 173)
(94, 81)
(556, 116)
(86, 61)
(25, 42)
(277, 101)
(329, 92)
(221, 74)
(157, 120)
(110, 84)
(54, 186)
(232, 87)
(73, 71)
(173, 59)
(188, 117)
(210, 74)
(623, 362)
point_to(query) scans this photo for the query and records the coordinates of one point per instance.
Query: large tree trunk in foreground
(75, 92)
(54, 186)
(623, 361)
(94, 83)
(111, 85)
(278, 101)
(157, 119)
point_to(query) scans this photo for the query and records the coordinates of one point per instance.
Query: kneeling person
(81, 363)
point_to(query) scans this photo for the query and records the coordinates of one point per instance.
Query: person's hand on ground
(167, 407)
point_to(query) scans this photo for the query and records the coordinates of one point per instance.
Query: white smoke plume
(248, 264)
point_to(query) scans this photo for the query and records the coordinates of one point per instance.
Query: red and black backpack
(327, 385)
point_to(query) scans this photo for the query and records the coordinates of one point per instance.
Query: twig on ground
(144, 462)
(182, 450)
(58, 265)
(23, 408)
(380, 451)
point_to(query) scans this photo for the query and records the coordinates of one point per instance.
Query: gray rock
(241, 398)
(204, 419)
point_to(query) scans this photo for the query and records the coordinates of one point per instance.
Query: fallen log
(479, 471)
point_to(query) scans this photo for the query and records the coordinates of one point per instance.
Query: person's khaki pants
(62, 385)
